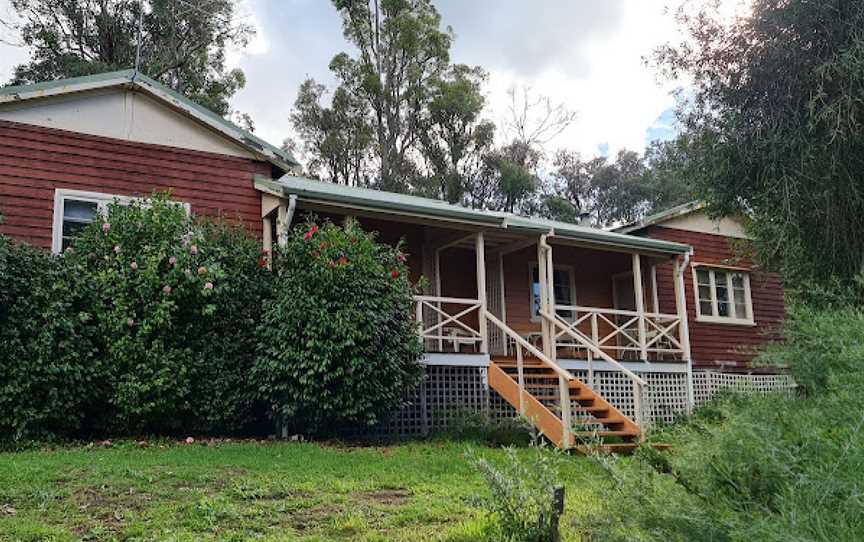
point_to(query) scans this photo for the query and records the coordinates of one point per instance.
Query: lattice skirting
(449, 393)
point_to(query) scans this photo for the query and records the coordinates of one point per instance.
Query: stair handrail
(563, 373)
(640, 385)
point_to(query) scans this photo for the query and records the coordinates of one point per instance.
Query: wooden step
(607, 433)
(542, 401)
(618, 448)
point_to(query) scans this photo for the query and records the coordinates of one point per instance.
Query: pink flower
(172, 261)
(134, 266)
(208, 286)
(190, 440)
(106, 227)
(166, 289)
(193, 249)
(116, 249)
(202, 270)
(130, 322)
(402, 258)
(312, 231)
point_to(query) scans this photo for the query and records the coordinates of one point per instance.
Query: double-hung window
(565, 292)
(723, 295)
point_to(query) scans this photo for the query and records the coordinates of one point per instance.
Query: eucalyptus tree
(183, 43)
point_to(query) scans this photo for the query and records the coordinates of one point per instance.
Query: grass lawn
(260, 491)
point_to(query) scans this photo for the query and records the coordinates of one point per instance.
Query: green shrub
(176, 306)
(754, 467)
(338, 345)
(523, 494)
(49, 362)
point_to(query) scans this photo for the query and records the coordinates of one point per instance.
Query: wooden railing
(649, 336)
(640, 386)
(442, 325)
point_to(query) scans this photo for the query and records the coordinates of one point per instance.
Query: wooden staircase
(592, 417)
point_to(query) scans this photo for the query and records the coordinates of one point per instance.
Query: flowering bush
(338, 345)
(175, 304)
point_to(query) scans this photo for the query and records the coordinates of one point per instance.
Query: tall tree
(183, 42)
(337, 139)
(401, 51)
(455, 138)
(776, 127)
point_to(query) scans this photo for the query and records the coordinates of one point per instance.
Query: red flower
(394, 274)
(312, 231)
(343, 260)
(262, 262)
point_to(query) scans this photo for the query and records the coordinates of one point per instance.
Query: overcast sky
(586, 54)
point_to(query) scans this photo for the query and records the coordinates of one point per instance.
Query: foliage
(523, 494)
(338, 139)
(183, 45)
(338, 344)
(175, 307)
(623, 190)
(455, 138)
(49, 362)
(775, 127)
(750, 467)
(401, 52)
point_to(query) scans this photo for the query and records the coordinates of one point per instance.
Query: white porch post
(480, 250)
(550, 304)
(680, 268)
(282, 225)
(640, 305)
(544, 297)
(267, 235)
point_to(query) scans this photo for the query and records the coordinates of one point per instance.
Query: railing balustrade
(448, 323)
(616, 330)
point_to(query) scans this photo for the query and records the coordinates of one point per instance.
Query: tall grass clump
(750, 467)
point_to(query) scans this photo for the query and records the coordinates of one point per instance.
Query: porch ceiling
(501, 229)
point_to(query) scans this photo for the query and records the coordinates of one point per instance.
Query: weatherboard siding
(34, 161)
(729, 346)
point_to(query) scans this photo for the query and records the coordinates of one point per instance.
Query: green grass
(241, 491)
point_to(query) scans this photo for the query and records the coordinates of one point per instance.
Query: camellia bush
(176, 306)
(338, 345)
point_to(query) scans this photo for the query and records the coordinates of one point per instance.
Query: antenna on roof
(138, 38)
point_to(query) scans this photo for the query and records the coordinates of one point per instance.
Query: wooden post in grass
(557, 512)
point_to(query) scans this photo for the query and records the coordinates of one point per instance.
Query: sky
(585, 54)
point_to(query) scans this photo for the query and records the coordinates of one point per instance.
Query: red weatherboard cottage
(577, 328)
(68, 147)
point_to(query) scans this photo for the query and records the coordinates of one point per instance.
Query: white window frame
(101, 200)
(572, 278)
(714, 317)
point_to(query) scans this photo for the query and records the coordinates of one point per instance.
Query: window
(74, 209)
(723, 295)
(563, 285)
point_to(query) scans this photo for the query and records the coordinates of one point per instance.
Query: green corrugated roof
(662, 216)
(109, 79)
(376, 200)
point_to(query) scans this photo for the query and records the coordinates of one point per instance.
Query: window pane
(79, 211)
(705, 293)
(705, 308)
(72, 229)
(702, 277)
(535, 291)
(741, 311)
(738, 280)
